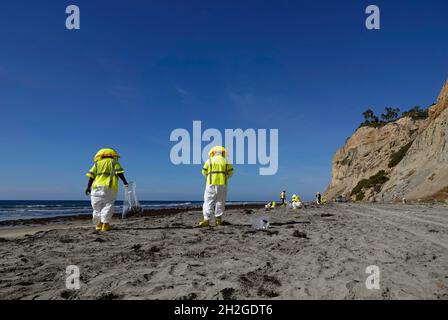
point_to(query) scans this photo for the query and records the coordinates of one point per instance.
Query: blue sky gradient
(139, 69)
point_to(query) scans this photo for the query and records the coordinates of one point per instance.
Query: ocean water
(24, 209)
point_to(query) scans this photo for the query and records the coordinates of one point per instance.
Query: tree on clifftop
(369, 117)
(371, 120)
(390, 115)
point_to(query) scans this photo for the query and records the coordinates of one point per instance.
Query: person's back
(103, 186)
(217, 172)
(106, 172)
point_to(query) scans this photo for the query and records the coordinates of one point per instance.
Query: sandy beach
(315, 253)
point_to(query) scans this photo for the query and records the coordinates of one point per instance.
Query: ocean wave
(30, 210)
(41, 209)
(167, 205)
(40, 206)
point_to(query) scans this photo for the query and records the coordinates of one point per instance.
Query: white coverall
(296, 204)
(103, 201)
(214, 195)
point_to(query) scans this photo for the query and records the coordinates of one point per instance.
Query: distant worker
(296, 202)
(271, 205)
(318, 198)
(283, 198)
(103, 186)
(217, 172)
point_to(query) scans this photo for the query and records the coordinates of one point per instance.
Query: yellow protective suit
(105, 184)
(217, 172)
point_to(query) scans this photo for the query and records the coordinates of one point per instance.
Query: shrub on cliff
(379, 178)
(360, 196)
(416, 113)
(396, 157)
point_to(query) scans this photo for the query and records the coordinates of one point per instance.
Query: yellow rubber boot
(106, 227)
(99, 227)
(219, 222)
(204, 223)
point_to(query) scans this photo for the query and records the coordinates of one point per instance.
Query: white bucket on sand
(261, 223)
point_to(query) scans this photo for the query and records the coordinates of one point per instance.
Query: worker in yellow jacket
(103, 186)
(296, 202)
(217, 172)
(283, 198)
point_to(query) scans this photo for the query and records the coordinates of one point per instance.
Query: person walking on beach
(103, 186)
(217, 172)
(283, 197)
(318, 198)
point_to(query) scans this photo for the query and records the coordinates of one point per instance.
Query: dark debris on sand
(300, 234)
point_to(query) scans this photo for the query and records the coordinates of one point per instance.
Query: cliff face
(362, 169)
(423, 172)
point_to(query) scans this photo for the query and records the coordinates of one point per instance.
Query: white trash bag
(261, 223)
(131, 205)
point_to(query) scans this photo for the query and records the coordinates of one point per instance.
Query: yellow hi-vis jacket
(217, 170)
(104, 173)
(283, 195)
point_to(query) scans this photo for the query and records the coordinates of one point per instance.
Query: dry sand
(316, 253)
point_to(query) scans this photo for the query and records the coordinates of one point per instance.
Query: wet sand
(314, 253)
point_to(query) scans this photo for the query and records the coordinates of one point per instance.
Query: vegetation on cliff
(391, 115)
(376, 181)
(416, 113)
(396, 157)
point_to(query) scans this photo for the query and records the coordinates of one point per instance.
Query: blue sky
(139, 69)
